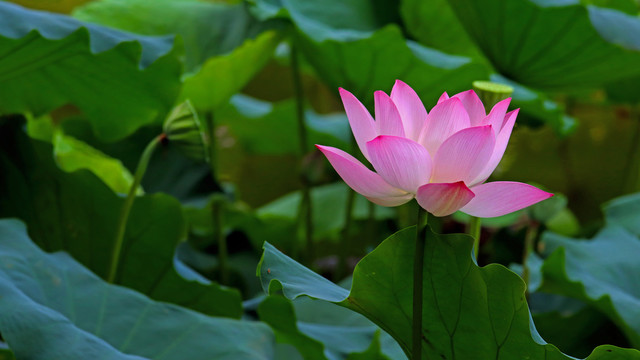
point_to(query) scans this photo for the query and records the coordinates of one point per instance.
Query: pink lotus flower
(442, 158)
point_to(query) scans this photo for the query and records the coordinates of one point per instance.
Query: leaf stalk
(128, 203)
(305, 210)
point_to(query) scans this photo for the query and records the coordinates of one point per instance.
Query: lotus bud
(491, 93)
(183, 130)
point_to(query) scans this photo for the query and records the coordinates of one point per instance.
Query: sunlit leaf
(120, 81)
(206, 28)
(72, 154)
(54, 308)
(222, 76)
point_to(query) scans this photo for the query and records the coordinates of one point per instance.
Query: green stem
(305, 209)
(344, 248)
(418, 265)
(211, 134)
(128, 203)
(474, 231)
(632, 178)
(218, 236)
(217, 203)
(529, 243)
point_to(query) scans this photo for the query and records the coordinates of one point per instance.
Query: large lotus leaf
(627, 6)
(330, 19)
(374, 63)
(54, 308)
(207, 29)
(341, 330)
(349, 53)
(434, 24)
(322, 341)
(570, 324)
(119, 80)
(603, 271)
(624, 211)
(538, 107)
(349, 49)
(371, 353)
(553, 44)
(78, 213)
(625, 90)
(469, 312)
(221, 52)
(222, 76)
(278, 313)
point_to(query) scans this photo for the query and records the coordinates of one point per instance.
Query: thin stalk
(474, 231)
(213, 164)
(216, 204)
(218, 236)
(348, 220)
(632, 179)
(529, 244)
(418, 265)
(128, 203)
(343, 267)
(305, 210)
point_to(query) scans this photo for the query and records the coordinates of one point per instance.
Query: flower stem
(216, 204)
(218, 236)
(305, 210)
(418, 265)
(128, 203)
(474, 231)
